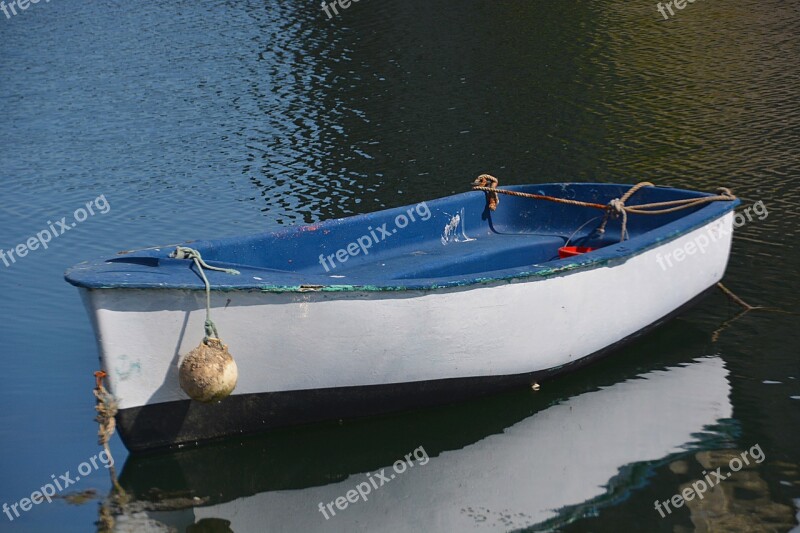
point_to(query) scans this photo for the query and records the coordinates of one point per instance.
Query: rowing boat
(401, 308)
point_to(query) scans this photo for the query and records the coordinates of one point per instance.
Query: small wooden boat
(400, 308)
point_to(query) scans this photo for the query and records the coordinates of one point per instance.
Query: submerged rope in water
(616, 207)
(183, 252)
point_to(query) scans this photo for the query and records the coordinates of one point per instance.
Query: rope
(491, 193)
(182, 252)
(106, 408)
(616, 207)
(746, 308)
(729, 293)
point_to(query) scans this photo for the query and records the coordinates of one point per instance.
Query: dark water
(213, 119)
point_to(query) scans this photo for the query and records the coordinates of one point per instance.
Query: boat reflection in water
(544, 459)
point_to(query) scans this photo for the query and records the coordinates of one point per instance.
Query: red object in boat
(571, 251)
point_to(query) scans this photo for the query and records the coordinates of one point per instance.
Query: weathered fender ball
(208, 373)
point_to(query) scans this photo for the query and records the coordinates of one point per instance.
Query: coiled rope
(615, 208)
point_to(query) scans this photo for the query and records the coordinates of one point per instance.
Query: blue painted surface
(518, 240)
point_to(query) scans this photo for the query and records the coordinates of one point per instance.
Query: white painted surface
(297, 341)
(562, 456)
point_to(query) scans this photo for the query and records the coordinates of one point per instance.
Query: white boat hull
(293, 341)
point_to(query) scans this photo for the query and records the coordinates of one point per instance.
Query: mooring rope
(106, 408)
(183, 252)
(616, 207)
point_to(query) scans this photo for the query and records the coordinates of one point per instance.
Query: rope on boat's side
(106, 408)
(616, 207)
(208, 373)
(183, 252)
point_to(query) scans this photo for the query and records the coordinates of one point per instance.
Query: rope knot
(616, 207)
(724, 191)
(182, 252)
(487, 183)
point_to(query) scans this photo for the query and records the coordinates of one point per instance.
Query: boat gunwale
(609, 255)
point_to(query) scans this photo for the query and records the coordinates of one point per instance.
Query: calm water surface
(202, 120)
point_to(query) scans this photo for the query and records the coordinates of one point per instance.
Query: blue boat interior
(449, 241)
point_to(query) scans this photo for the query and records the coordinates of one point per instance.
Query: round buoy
(208, 373)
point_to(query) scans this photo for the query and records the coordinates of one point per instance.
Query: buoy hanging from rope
(208, 373)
